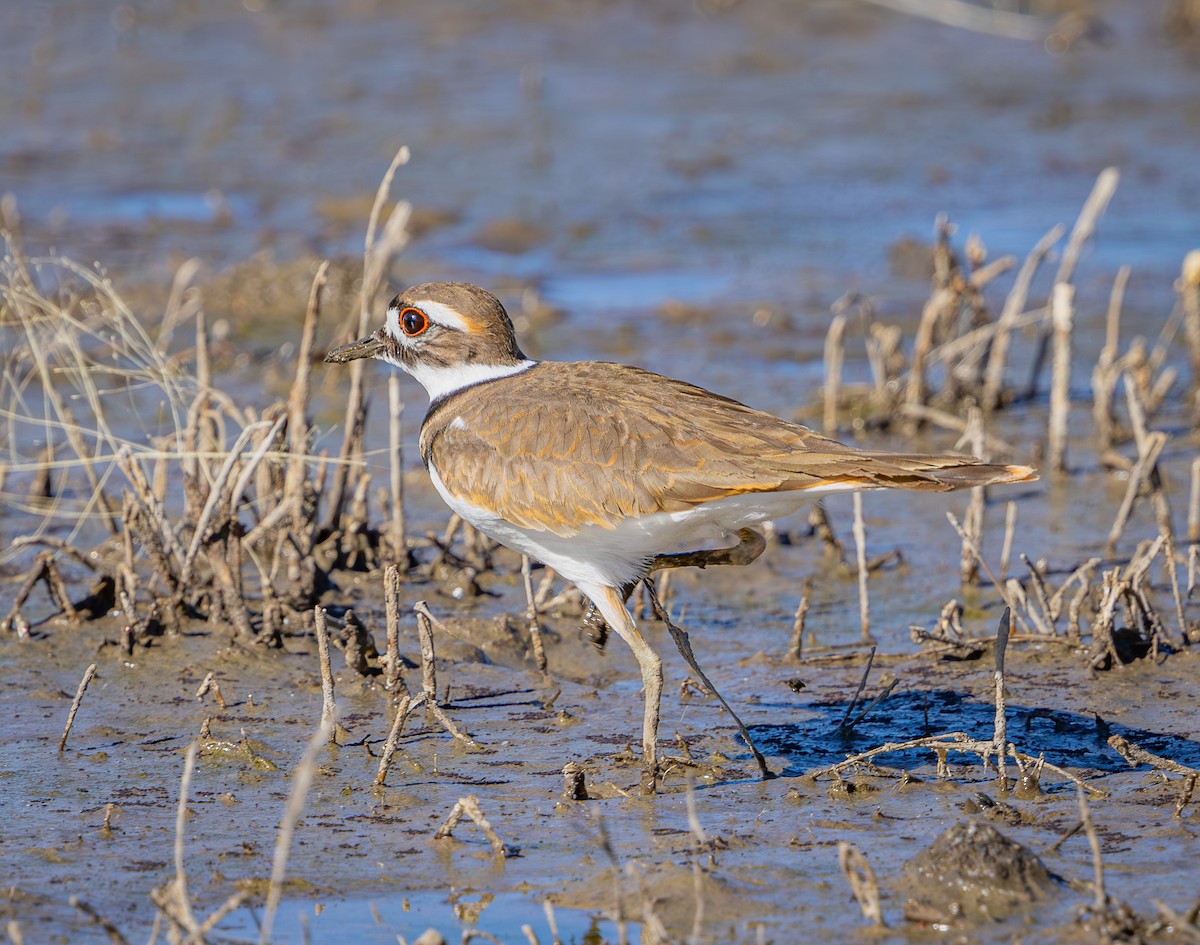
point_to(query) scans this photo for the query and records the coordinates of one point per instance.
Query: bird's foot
(750, 545)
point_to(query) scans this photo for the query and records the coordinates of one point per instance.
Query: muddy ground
(365, 866)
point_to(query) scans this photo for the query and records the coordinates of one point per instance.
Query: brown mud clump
(973, 873)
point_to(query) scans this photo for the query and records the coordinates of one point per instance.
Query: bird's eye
(413, 321)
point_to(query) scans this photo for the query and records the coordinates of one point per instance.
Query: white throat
(442, 381)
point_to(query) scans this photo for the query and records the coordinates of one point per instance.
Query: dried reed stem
(1189, 296)
(391, 664)
(182, 900)
(860, 551)
(1194, 504)
(298, 428)
(425, 622)
(835, 353)
(75, 703)
(1100, 902)
(328, 706)
(1136, 755)
(403, 710)
(301, 782)
(378, 251)
(469, 807)
(531, 614)
(861, 878)
(1085, 223)
(1014, 305)
(1000, 729)
(796, 649)
(1147, 460)
(425, 636)
(1061, 316)
(1010, 530)
(862, 684)
(1108, 366)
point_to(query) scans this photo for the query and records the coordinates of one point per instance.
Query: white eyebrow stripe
(442, 314)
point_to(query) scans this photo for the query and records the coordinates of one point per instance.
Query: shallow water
(615, 158)
(770, 152)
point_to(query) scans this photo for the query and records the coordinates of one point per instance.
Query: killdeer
(603, 471)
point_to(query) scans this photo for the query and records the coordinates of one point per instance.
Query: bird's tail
(938, 473)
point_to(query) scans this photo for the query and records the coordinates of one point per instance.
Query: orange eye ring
(413, 322)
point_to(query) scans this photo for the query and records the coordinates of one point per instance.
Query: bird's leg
(750, 545)
(608, 601)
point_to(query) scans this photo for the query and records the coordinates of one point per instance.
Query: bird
(605, 471)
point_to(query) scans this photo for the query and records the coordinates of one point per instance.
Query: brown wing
(593, 442)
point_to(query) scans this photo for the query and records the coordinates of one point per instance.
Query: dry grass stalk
(861, 878)
(114, 934)
(1014, 305)
(1010, 530)
(88, 675)
(1000, 728)
(531, 614)
(835, 354)
(180, 888)
(425, 636)
(392, 663)
(404, 709)
(469, 807)
(1005, 589)
(1085, 225)
(947, 635)
(210, 684)
(973, 517)
(1136, 755)
(860, 551)
(1061, 318)
(172, 899)
(301, 782)
(1100, 900)
(425, 623)
(917, 391)
(379, 248)
(1188, 287)
(699, 843)
(1145, 632)
(862, 684)
(328, 705)
(796, 648)
(1193, 532)
(941, 745)
(46, 571)
(1081, 233)
(1108, 367)
(1143, 472)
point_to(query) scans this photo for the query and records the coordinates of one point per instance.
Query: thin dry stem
(75, 703)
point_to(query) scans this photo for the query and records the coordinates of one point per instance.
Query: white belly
(618, 556)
